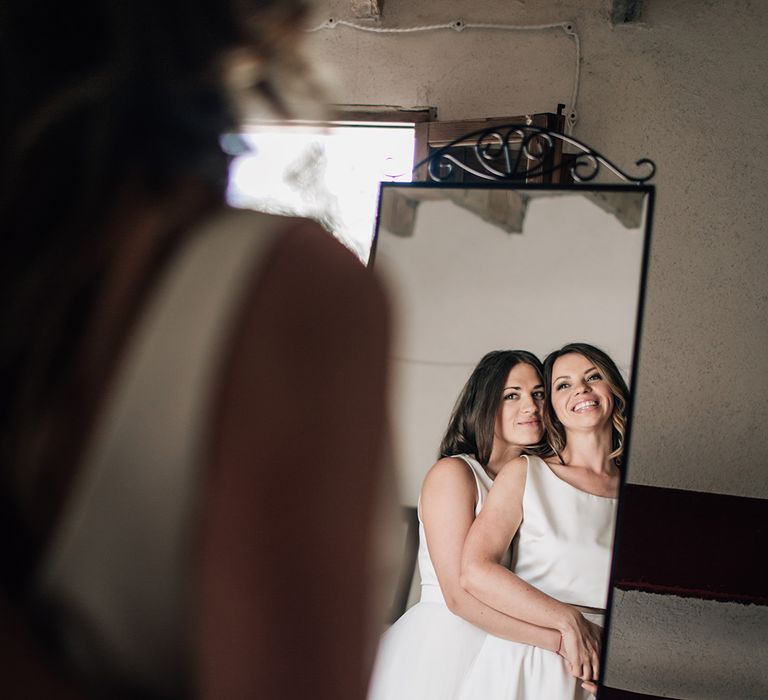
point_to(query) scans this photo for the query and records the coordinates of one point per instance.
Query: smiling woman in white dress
(427, 652)
(560, 514)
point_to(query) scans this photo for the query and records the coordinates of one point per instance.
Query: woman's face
(581, 398)
(518, 421)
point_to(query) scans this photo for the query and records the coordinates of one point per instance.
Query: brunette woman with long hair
(187, 388)
(558, 514)
(427, 652)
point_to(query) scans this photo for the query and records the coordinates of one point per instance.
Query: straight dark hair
(473, 420)
(555, 432)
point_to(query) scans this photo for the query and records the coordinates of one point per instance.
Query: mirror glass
(474, 268)
(477, 267)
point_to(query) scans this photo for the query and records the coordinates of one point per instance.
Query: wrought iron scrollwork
(521, 152)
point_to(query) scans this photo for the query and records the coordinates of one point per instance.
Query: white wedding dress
(563, 548)
(428, 651)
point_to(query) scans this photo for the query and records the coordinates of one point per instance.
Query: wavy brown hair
(555, 432)
(473, 420)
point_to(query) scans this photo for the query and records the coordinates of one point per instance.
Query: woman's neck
(590, 450)
(500, 455)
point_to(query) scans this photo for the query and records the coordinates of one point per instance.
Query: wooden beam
(383, 113)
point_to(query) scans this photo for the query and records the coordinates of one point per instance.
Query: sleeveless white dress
(115, 576)
(563, 548)
(427, 652)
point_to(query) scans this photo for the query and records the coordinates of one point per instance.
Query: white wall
(688, 89)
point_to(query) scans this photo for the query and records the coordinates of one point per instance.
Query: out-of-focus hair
(98, 97)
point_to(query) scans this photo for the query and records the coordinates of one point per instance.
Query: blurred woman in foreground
(187, 389)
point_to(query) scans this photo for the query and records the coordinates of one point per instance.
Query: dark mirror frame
(509, 157)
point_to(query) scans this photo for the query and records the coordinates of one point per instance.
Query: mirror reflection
(516, 516)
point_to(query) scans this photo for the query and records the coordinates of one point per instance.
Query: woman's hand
(581, 647)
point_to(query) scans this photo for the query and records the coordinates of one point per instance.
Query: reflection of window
(329, 173)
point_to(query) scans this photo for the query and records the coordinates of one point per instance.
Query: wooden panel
(420, 149)
(383, 113)
(440, 134)
(687, 543)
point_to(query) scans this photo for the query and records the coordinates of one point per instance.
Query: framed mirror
(488, 265)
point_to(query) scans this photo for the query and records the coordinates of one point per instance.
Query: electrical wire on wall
(459, 25)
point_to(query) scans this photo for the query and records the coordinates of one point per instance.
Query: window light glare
(331, 174)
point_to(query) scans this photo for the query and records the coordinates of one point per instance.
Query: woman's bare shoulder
(307, 357)
(449, 474)
(312, 291)
(307, 249)
(448, 485)
(298, 421)
(449, 469)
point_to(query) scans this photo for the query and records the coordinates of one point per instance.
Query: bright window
(327, 173)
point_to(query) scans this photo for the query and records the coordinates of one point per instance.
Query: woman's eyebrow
(591, 369)
(565, 376)
(511, 387)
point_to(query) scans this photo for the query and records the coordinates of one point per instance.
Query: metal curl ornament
(518, 152)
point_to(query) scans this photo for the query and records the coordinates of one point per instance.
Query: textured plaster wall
(688, 649)
(686, 88)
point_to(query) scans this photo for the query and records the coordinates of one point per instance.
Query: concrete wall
(686, 88)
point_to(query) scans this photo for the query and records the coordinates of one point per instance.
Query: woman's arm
(484, 577)
(448, 509)
(283, 565)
